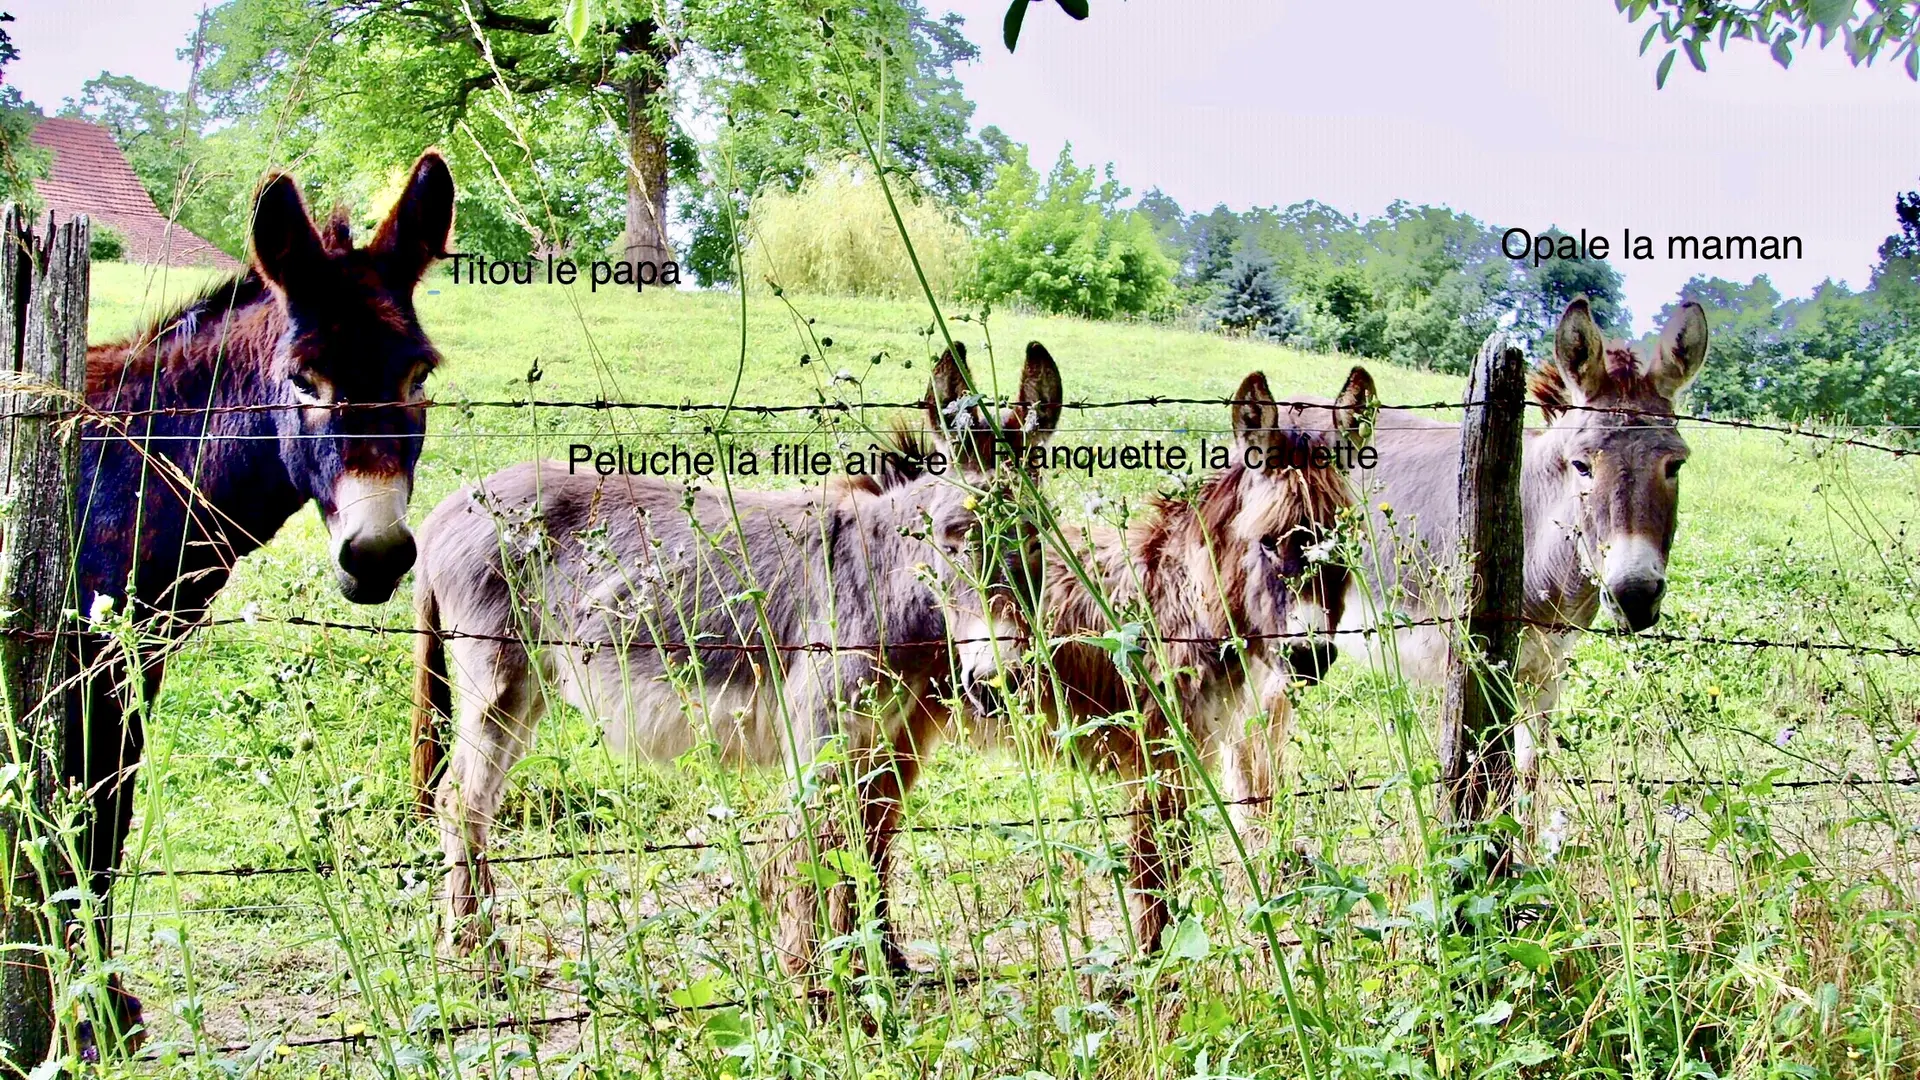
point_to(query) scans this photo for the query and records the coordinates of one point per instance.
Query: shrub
(837, 235)
(107, 245)
(1349, 319)
(1065, 246)
(1253, 301)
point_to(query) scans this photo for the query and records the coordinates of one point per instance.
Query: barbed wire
(1662, 417)
(1895, 649)
(435, 864)
(684, 406)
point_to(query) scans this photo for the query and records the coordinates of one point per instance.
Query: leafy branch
(1887, 27)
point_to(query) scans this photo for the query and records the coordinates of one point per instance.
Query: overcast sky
(1521, 112)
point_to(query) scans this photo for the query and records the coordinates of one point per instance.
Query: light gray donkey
(769, 624)
(1600, 494)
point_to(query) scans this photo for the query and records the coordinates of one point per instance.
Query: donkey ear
(954, 413)
(1354, 409)
(1256, 418)
(1683, 350)
(285, 245)
(1032, 420)
(1579, 348)
(416, 230)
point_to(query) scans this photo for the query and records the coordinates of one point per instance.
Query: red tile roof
(89, 175)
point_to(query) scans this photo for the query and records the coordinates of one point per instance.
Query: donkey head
(1613, 455)
(1276, 517)
(353, 363)
(989, 546)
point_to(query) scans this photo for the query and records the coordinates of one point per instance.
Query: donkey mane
(910, 447)
(1306, 495)
(221, 297)
(1628, 379)
(166, 338)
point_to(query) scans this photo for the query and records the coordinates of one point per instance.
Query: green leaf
(1016, 14)
(1190, 941)
(1526, 1055)
(1782, 55)
(1828, 14)
(1496, 1013)
(1075, 8)
(577, 17)
(1694, 57)
(1666, 65)
(823, 877)
(1913, 63)
(1527, 954)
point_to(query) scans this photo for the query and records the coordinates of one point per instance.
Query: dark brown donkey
(767, 625)
(1250, 558)
(299, 381)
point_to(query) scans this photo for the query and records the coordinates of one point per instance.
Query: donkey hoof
(129, 1020)
(894, 958)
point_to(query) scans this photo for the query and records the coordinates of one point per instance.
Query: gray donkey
(1600, 494)
(767, 624)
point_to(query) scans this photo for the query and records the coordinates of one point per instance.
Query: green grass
(1726, 926)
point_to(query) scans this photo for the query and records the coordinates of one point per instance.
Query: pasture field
(1733, 891)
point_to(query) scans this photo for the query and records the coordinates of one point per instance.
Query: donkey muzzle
(1309, 663)
(1636, 604)
(983, 697)
(1635, 579)
(373, 549)
(369, 570)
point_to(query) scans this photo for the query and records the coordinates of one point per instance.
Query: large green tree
(1064, 244)
(564, 106)
(570, 120)
(19, 162)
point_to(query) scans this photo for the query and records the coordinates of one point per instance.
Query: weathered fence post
(43, 357)
(1476, 730)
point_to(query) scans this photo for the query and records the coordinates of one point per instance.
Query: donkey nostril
(378, 561)
(1638, 604)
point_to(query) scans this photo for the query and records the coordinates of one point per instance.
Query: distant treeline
(1419, 285)
(601, 160)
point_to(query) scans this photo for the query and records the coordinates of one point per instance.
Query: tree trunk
(646, 237)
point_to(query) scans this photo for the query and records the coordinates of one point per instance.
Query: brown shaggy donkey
(768, 624)
(1249, 558)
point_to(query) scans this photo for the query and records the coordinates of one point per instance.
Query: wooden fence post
(43, 359)
(1476, 731)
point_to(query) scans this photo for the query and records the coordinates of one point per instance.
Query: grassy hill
(273, 744)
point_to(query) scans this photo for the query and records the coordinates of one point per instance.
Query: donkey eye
(1673, 468)
(303, 386)
(1271, 543)
(1582, 466)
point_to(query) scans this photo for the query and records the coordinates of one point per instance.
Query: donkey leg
(1248, 757)
(499, 706)
(883, 797)
(1533, 737)
(788, 879)
(104, 743)
(1157, 850)
(819, 702)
